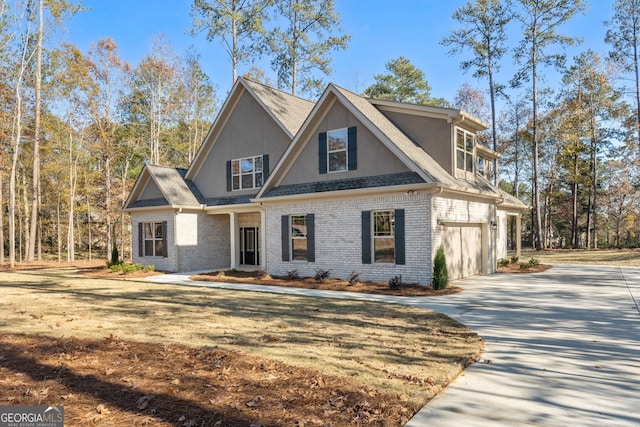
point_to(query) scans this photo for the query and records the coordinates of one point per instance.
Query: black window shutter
(265, 168)
(322, 152)
(141, 239)
(311, 238)
(164, 239)
(229, 180)
(399, 236)
(285, 237)
(352, 148)
(366, 237)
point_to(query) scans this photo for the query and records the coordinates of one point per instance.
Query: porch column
(233, 239)
(263, 240)
(518, 235)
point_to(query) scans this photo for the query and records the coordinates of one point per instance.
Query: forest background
(78, 119)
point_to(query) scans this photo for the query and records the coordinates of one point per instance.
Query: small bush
(396, 282)
(115, 256)
(534, 261)
(322, 274)
(150, 268)
(524, 266)
(440, 273)
(127, 268)
(353, 278)
(503, 262)
(514, 258)
(262, 274)
(293, 275)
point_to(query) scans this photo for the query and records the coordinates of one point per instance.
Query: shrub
(396, 282)
(322, 274)
(127, 268)
(262, 274)
(150, 268)
(503, 262)
(524, 265)
(115, 256)
(514, 258)
(440, 273)
(534, 261)
(293, 275)
(353, 278)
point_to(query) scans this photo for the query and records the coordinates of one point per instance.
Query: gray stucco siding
(374, 158)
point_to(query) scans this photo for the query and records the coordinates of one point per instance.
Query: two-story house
(346, 184)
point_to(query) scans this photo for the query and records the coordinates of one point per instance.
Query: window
(247, 173)
(337, 150)
(153, 239)
(299, 237)
(383, 239)
(465, 143)
(383, 236)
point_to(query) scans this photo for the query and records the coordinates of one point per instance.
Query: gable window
(465, 142)
(247, 173)
(338, 150)
(298, 238)
(383, 237)
(153, 239)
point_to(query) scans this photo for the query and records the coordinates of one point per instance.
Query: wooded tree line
(76, 127)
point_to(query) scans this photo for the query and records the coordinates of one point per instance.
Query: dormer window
(337, 150)
(465, 142)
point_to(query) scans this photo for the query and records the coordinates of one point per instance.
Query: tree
(540, 20)
(483, 32)
(624, 37)
(404, 82)
(237, 23)
(303, 46)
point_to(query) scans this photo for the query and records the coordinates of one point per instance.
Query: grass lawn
(621, 257)
(127, 352)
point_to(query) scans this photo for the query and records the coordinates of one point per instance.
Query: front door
(249, 254)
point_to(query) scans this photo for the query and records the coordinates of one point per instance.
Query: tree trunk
(35, 197)
(1, 222)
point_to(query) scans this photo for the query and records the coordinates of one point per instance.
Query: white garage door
(463, 250)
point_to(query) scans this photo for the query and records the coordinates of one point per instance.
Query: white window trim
(374, 237)
(240, 174)
(463, 172)
(346, 151)
(153, 238)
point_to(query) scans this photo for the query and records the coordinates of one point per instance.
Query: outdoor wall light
(441, 223)
(493, 224)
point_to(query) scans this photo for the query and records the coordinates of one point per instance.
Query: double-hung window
(337, 150)
(153, 239)
(247, 173)
(298, 237)
(465, 143)
(383, 236)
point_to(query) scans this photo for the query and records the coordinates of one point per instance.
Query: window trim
(468, 149)
(391, 236)
(293, 236)
(254, 173)
(154, 239)
(345, 150)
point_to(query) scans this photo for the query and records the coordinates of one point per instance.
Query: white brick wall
(195, 241)
(338, 237)
(161, 263)
(449, 209)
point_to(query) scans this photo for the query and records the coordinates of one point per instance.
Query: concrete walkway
(562, 347)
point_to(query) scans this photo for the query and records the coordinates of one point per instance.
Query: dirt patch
(254, 277)
(118, 382)
(515, 267)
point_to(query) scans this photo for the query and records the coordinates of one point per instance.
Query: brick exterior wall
(459, 210)
(195, 241)
(338, 240)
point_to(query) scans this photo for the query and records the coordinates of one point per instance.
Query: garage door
(463, 250)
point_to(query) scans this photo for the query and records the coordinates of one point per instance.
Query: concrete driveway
(562, 347)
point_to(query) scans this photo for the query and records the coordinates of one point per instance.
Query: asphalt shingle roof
(173, 186)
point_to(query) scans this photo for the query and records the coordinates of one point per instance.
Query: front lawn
(117, 352)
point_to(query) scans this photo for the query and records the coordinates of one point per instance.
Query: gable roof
(176, 191)
(287, 111)
(424, 169)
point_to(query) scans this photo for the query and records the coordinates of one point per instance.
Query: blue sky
(381, 30)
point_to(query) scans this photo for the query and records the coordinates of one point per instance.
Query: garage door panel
(463, 250)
